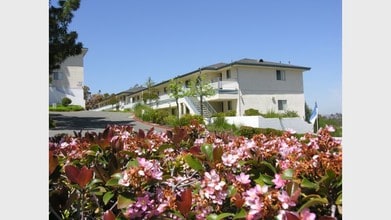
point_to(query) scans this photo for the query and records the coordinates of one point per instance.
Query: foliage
(62, 43)
(200, 87)
(66, 101)
(69, 108)
(93, 101)
(249, 132)
(251, 112)
(307, 112)
(150, 94)
(176, 92)
(52, 123)
(186, 119)
(191, 173)
(334, 120)
(220, 124)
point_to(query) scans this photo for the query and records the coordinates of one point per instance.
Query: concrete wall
(296, 124)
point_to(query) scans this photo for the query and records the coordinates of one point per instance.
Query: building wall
(259, 89)
(69, 81)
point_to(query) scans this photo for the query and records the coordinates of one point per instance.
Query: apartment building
(68, 81)
(239, 85)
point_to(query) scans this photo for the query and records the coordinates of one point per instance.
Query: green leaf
(98, 190)
(241, 215)
(264, 179)
(114, 180)
(338, 201)
(107, 196)
(287, 174)
(231, 191)
(305, 183)
(123, 202)
(132, 163)
(312, 202)
(193, 162)
(207, 149)
(218, 217)
(270, 166)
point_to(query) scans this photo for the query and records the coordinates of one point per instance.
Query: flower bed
(189, 173)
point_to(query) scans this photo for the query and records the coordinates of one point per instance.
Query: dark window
(282, 105)
(228, 74)
(280, 74)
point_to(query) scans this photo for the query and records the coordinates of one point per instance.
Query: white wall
(260, 90)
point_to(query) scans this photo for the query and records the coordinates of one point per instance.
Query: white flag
(314, 114)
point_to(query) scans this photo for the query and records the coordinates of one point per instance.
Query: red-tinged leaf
(53, 162)
(195, 150)
(108, 215)
(141, 133)
(85, 176)
(72, 173)
(184, 202)
(327, 218)
(81, 177)
(238, 200)
(291, 216)
(150, 132)
(217, 154)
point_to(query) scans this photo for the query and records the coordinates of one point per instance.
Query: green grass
(69, 108)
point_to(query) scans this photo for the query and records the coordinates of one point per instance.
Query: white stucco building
(68, 81)
(240, 85)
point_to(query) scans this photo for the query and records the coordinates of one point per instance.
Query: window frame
(282, 105)
(280, 75)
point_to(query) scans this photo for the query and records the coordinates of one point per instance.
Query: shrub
(249, 132)
(185, 120)
(66, 101)
(251, 112)
(188, 172)
(68, 108)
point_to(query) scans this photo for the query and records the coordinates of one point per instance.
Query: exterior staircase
(207, 109)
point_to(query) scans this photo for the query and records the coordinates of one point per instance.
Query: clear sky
(129, 41)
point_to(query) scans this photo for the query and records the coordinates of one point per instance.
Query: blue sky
(129, 41)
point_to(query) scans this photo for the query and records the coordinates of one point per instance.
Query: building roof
(217, 66)
(132, 90)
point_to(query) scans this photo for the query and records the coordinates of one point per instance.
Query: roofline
(266, 64)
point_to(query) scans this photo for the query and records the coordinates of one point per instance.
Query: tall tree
(307, 112)
(176, 92)
(62, 43)
(201, 88)
(151, 93)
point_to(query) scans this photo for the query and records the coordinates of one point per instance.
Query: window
(282, 105)
(229, 105)
(165, 90)
(228, 74)
(280, 75)
(187, 83)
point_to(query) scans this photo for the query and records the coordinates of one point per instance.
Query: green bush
(66, 101)
(251, 112)
(69, 108)
(186, 119)
(249, 132)
(220, 124)
(171, 120)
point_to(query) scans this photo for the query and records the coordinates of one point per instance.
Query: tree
(86, 92)
(113, 100)
(150, 94)
(199, 87)
(93, 101)
(62, 43)
(176, 92)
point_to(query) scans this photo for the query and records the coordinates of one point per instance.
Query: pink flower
(307, 215)
(243, 178)
(278, 181)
